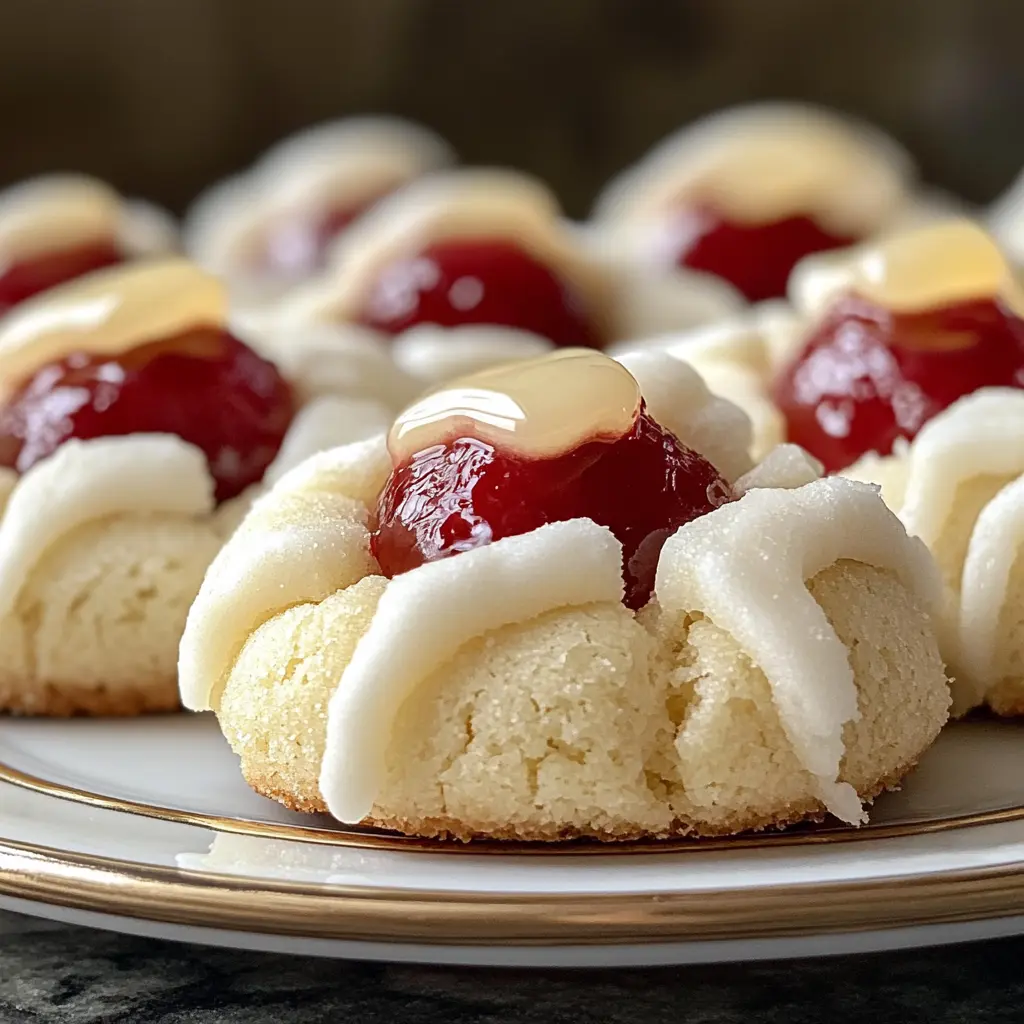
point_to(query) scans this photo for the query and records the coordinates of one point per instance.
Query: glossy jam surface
(203, 385)
(465, 493)
(297, 246)
(868, 376)
(24, 278)
(494, 282)
(755, 258)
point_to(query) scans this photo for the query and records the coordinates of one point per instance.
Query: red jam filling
(868, 376)
(755, 258)
(464, 494)
(297, 247)
(460, 281)
(25, 278)
(203, 385)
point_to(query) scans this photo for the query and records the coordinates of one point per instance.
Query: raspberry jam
(756, 258)
(468, 489)
(25, 278)
(475, 281)
(203, 385)
(868, 376)
(297, 246)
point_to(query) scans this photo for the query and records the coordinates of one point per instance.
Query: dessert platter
(391, 567)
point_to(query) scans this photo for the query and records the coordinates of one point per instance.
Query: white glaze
(88, 480)
(733, 359)
(329, 359)
(760, 339)
(300, 542)
(434, 354)
(888, 472)
(991, 557)
(733, 340)
(744, 566)
(649, 299)
(982, 433)
(747, 390)
(678, 398)
(427, 614)
(327, 422)
(787, 466)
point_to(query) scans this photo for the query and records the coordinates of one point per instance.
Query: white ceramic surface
(68, 852)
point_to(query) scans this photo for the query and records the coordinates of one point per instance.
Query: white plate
(146, 826)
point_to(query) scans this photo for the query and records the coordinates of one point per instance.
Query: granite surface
(75, 976)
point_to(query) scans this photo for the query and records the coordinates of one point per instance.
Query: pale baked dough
(66, 598)
(766, 161)
(63, 211)
(737, 358)
(681, 401)
(102, 548)
(1005, 218)
(620, 299)
(579, 718)
(95, 629)
(959, 485)
(341, 162)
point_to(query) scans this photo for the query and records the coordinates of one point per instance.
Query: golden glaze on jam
(909, 326)
(140, 350)
(536, 407)
(562, 437)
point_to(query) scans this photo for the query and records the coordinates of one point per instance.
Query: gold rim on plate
(186, 897)
(372, 839)
(357, 913)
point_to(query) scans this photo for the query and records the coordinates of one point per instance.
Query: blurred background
(161, 97)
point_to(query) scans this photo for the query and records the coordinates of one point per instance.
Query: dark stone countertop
(75, 976)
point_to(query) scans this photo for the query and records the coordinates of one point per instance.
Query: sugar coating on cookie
(786, 466)
(90, 480)
(435, 610)
(720, 566)
(957, 486)
(958, 462)
(680, 400)
(303, 540)
(389, 690)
